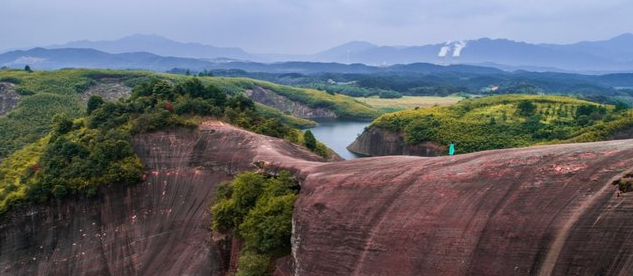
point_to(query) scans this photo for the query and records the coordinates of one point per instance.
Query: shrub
(252, 264)
(94, 102)
(526, 108)
(309, 140)
(259, 209)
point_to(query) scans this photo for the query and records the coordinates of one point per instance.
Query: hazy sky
(301, 26)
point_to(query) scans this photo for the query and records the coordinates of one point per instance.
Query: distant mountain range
(160, 46)
(51, 59)
(611, 55)
(158, 53)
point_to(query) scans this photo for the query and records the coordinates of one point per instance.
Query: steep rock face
(379, 142)
(297, 109)
(110, 89)
(541, 210)
(159, 227)
(9, 99)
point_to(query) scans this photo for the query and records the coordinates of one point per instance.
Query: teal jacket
(451, 149)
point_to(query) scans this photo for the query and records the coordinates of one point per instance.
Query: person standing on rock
(451, 149)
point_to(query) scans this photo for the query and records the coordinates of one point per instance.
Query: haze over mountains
(158, 53)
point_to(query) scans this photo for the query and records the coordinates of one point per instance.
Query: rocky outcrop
(159, 227)
(110, 89)
(297, 109)
(376, 141)
(549, 210)
(9, 98)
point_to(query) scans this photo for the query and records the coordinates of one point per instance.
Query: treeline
(603, 88)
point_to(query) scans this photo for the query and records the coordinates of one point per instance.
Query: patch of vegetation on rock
(258, 209)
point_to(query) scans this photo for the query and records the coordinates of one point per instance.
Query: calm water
(338, 134)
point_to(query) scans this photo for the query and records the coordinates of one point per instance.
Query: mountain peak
(145, 38)
(624, 36)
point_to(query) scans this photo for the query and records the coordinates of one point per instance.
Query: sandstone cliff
(159, 227)
(379, 142)
(540, 210)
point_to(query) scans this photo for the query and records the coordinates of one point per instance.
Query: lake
(338, 134)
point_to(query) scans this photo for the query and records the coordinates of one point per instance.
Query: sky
(306, 27)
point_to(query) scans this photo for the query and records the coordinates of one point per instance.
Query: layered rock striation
(158, 227)
(549, 210)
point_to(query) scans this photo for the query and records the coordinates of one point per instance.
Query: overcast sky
(308, 26)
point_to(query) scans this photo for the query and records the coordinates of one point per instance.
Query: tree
(28, 69)
(163, 90)
(241, 103)
(94, 102)
(309, 140)
(526, 108)
(62, 124)
(620, 106)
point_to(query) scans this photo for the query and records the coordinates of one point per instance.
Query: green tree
(252, 264)
(94, 102)
(163, 90)
(28, 69)
(309, 140)
(62, 124)
(526, 108)
(268, 226)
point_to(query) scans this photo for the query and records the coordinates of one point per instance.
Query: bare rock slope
(159, 227)
(9, 98)
(294, 108)
(541, 210)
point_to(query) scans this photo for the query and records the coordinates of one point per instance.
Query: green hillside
(58, 92)
(75, 156)
(508, 121)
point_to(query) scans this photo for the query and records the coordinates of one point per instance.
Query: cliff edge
(548, 210)
(376, 141)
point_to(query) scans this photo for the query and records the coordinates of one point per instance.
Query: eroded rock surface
(9, 98)
(110, 89)
(540, 210)
(159, 227)
(297, 109)
(379, 142)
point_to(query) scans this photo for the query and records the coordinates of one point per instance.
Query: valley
(316, 138)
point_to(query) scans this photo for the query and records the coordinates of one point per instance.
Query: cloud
(290, 26)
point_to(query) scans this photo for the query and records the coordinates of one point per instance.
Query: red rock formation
(159, 227)
(546, 210)
(541, 210)
(379, 142)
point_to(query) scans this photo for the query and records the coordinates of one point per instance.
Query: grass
(408, 102)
